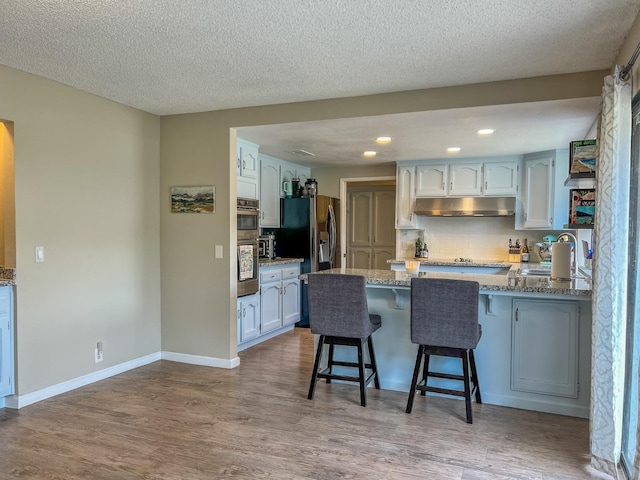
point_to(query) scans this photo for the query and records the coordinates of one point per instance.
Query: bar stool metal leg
(467, 388)
(414, 380)
(374, 366)
(363, 383)
(474, 376)
(316, 366)
(330, 365)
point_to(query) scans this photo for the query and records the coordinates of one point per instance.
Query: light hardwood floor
(176, 421)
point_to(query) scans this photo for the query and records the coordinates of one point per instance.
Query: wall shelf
(581, 180)
(579, 226)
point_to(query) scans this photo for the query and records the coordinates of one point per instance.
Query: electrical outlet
(99, 352)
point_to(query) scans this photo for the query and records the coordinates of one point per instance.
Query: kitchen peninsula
(535, 350)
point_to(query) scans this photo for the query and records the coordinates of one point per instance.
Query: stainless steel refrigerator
(309, 230)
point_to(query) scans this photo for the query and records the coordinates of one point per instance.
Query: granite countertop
(480, 263)
(7, 276)
(506, 283)
(263, 262)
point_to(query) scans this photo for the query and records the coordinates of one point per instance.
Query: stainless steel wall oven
(247, 251)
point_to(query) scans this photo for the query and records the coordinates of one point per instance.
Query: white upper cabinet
(273, 173)
(270, 187)
(247, 169)
(501, 179)
(248, 163)
(465, 179)
(432, 180)
(405, 197)
(545, 200)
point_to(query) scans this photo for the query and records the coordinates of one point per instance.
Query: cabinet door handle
(517, 312)
(263, 215)
(452, 186)
(238, 163)
(244, 164)
(284, 290)
(244, 312)
(443, 187)
(485, 185)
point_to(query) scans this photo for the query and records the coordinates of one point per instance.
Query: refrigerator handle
(313, 230)
(332, 235)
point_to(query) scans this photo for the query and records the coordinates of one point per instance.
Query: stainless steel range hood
(466, 207)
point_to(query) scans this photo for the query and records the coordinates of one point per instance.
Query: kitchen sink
(473, 270)
(545, 272)
(542, 272)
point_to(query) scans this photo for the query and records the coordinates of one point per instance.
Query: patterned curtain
(610, 274)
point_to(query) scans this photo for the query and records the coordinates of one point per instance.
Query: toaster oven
(267, 246)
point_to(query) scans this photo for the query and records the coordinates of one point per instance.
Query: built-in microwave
(248, 215)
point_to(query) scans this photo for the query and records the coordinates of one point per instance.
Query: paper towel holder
(573, 262)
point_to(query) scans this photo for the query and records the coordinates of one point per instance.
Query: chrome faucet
(575, 249)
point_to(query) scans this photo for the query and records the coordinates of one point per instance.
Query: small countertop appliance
(267, 246)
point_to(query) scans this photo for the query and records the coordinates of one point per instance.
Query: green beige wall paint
(198, 291)
(86, 188)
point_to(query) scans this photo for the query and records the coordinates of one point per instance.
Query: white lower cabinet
(544, 347)
(248, 317)
(6, 341)
(280, 296)
(274, 309)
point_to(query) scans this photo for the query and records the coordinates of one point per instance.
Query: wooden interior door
(370, 226)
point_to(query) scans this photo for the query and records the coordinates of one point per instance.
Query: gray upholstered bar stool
(444, 322)
(338, 312)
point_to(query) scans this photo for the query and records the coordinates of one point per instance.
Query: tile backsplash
(481, 239)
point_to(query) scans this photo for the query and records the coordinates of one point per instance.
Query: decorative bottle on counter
(425, 252)
(525, 251)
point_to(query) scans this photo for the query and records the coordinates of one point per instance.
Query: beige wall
(198, 292)
(86, 188)
(629, 46)
(329, 178)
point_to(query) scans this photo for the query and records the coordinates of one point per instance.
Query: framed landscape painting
(200, 199)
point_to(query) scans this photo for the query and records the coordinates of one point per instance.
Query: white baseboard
(536, 405)
(19, 401)
(201, 360)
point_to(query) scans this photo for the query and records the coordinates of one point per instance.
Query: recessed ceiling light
(369, 153)
(486, 131)
(383, 140)
(453, 149)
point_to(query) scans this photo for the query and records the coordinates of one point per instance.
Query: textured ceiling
(168, 57)
(183, 56)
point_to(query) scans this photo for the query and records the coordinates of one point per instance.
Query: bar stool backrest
(444, 312)
(338, 306)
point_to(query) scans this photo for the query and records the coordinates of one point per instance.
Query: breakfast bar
(536, 335)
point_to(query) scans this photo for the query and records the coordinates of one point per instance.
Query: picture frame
(582, 156)
(193, 199)
(583, 206)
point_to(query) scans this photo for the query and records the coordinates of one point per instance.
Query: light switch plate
(39, 254)
(218, 251)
